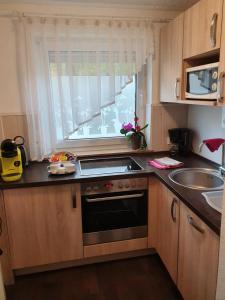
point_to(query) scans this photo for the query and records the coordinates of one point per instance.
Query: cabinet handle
(74, 199)
(173, 209)
(192, 223)
(220, 87)
(0, 226)
(176, 90)
(213, 27)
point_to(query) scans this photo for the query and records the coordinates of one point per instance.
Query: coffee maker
(181, 138)
(11, 161)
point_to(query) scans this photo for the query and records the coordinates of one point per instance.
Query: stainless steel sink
(198, 178)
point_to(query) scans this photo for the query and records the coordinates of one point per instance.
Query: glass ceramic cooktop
(108, 165)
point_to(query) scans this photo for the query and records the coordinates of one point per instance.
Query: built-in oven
(114, 210)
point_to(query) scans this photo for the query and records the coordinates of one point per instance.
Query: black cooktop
(108, 165)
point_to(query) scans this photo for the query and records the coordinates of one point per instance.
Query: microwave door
(201, 84)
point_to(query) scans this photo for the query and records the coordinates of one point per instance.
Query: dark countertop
(36, 175)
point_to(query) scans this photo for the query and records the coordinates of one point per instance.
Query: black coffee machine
(181, 138)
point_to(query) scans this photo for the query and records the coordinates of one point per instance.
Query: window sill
(101, 152)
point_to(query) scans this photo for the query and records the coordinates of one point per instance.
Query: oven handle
(89, 200)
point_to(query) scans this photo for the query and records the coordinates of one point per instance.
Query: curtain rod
(16, 14)
(159, 20)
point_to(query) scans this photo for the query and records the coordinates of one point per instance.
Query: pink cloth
(213, 144)
(163, 167)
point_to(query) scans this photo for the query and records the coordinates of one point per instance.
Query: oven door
(114, 217)
(202, 83)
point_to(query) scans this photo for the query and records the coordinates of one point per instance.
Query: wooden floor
(131, 279)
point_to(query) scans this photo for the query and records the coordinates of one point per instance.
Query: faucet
(213, 145)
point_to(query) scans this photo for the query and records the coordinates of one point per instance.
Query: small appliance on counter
(11, 161)
(20, 141)
(181, 138)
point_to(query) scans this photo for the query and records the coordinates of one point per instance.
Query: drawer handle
(213, 27)
(173, 209)
(193, 224)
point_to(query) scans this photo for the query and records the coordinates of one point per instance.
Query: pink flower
(136, 119)
(127, 127)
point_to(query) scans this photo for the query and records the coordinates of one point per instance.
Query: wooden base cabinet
(188, 248)
(44, 225)
(197, 258)
(164, 224)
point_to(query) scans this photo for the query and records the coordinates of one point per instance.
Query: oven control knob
(120, 185)
(133, 185)
(127, 185)
(95, 187)
(109, 186)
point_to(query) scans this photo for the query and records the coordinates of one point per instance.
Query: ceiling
(156, 4)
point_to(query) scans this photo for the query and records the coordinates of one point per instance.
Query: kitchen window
(81, 79)
(106, 125)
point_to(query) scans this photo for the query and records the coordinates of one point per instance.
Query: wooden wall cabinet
(198, 257)
(171, 46)
(221, 95)
(202, 27)
(164, 225)
(44, 225)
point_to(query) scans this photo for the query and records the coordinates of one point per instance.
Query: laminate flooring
(142, 278)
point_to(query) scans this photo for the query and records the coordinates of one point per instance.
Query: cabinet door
(171, 45)
(44, 225)
(202, 27)
(2, 289)
(168, 230)
(164, 225)
(221, 96)
(198, 257)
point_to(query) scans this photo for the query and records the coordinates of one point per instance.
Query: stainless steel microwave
(202, 82)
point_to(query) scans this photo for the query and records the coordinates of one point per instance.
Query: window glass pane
(109, 123)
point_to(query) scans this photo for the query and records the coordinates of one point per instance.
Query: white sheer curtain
(71, 69)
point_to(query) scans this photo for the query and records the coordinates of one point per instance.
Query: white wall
(206, 123)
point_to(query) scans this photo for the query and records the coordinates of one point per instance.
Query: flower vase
(135, 141)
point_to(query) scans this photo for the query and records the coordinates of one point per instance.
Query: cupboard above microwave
(202, 82)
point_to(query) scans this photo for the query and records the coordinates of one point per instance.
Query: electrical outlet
(223, 118)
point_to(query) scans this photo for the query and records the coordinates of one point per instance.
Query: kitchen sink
(198, 178)
(214, 199)
(108, 165)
